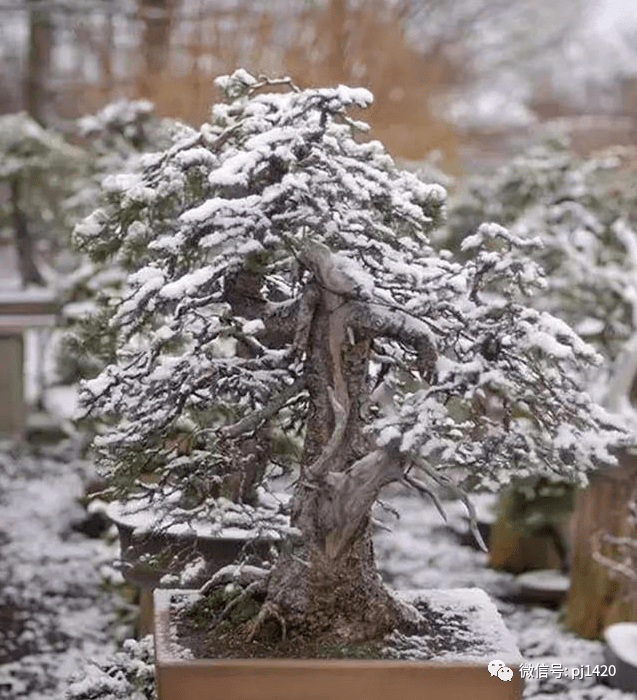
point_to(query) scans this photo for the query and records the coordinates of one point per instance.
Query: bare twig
(444, 480)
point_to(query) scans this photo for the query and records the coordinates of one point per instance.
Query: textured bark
(326, 582)
(343, 596)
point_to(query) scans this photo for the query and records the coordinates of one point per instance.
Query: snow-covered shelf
(30, 308)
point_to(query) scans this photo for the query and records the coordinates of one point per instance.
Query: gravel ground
(58, 605)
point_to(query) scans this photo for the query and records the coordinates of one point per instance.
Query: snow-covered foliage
(128, 675)
(114, 140)
(28, 148)
(125, 125)
(583, 210)
(237, 238)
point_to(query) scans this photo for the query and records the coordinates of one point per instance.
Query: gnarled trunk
(325, 581)
(328, 581)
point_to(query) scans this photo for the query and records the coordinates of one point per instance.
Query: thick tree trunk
(325, 582)
(157, 18)
(343, 597)
(23, 242)
(596, 598)
(328, 582)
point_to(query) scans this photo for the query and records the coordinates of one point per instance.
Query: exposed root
(255, 588)
(268, 611)
(243, 575)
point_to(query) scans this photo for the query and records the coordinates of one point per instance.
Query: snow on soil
(59, 611)
(475, 622)
(421, 553)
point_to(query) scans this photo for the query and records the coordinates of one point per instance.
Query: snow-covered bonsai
(37, 171)
(583, 211)
(284, 303)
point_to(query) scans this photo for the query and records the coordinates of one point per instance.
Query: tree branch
(254, 419)
(372, 319)
(444, 480)
(354, 493)
(425, 491)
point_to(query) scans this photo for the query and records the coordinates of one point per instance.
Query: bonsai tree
(583, 210)
(36, 173)
(283, 302)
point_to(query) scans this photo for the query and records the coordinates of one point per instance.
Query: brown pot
(182, 678)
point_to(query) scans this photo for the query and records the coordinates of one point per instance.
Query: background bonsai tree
(583, 209)
(37, 170)
(114, 140)
(283, 292)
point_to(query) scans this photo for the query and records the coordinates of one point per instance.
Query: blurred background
(466, 78)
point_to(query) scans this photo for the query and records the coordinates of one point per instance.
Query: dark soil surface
(206, 634)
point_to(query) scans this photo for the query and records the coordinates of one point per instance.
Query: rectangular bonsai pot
(182, 678)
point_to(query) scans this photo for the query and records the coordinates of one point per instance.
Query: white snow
(36, 502)
(622, 639)
(213, 205)
(544, 580)
(488, 636)
(58, 609)
(189, 283)
(225, 520)
(253, 327)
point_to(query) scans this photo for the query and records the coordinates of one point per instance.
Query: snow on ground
(59, 615)
(421, 552)
(56, 609)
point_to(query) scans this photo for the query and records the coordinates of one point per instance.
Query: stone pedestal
(19, 311)
(12, 408)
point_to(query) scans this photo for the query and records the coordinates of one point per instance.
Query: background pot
(188, 557)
